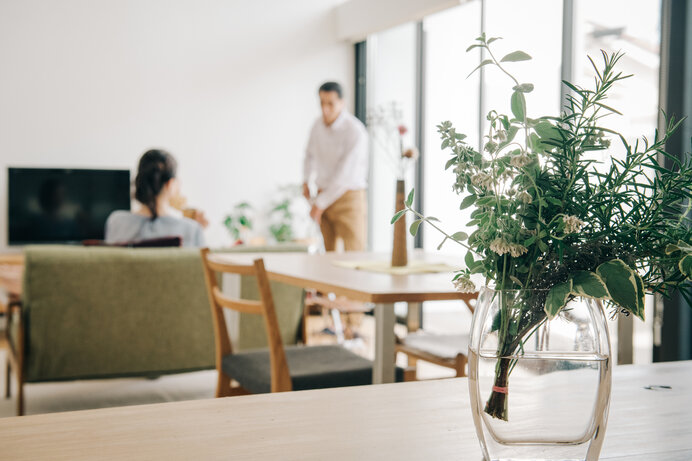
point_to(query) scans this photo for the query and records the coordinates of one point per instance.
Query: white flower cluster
(520, 160)
(482, 180)
(464, 285)
(501, 246)
(572, 224)
(524, 197)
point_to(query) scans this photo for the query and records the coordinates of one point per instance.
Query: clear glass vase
(540, 389)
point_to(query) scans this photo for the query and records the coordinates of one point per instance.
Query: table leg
(414, 317)
(383, 368)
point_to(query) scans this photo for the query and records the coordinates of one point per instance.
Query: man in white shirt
(336, 158)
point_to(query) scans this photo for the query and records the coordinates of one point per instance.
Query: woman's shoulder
(122, 215)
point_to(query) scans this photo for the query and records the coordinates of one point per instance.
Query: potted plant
(239, 222)
(557, 236)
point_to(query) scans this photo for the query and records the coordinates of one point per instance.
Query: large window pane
(632, 27)
(533, 26)
(391, 80)
(449, 95)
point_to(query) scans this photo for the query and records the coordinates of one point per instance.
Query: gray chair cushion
(311, 367)
(446, 346)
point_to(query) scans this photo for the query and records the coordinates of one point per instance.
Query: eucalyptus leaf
(524, 87)
(485, 62)
(414, 227)
(467, 202)
(397, 216)
(409, 199)
(518, 105)
(460, 236)
(516, 56)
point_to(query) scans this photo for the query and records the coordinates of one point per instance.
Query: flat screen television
(63, 205)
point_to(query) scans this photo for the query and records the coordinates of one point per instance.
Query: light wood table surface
(427, 420)
(319, 272)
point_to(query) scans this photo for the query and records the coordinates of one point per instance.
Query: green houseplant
(553, 226)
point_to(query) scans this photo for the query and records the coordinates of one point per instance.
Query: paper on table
(413, 267)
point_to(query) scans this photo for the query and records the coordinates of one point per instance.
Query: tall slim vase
(399, 250)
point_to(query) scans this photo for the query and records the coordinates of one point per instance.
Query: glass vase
(539, 388)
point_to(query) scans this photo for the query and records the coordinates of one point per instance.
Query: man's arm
(308, 164)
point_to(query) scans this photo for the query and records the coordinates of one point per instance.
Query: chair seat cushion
(311, 367)
(446, 346)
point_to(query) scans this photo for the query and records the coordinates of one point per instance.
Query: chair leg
(8, 374)
(223, 385)
(461, 365)
(20, 394)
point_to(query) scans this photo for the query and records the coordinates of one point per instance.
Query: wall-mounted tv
(63, 205)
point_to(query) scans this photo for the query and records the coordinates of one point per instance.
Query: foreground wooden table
(318, 271)
(406, 421)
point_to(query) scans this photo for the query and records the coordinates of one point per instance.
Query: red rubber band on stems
(501, 390)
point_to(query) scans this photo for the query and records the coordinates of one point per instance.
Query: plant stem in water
(496, 406)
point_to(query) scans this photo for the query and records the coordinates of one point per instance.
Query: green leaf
(492, 39)
(518, 105)
(623, 285)
(414, 227)
(590, 285)
(529, 240)
(542, 246)
(468, 259)
(431, 218)
(450, 162)
(409, 199)
(524, 87)
(467, 202)
(440, 246)
(397, 216)
(515, 56)
(557, 298)
(547, 131)
(685, 265)
(670, 249)
(485, 62)
(460, 236)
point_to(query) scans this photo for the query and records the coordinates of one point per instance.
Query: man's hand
(316, 214)
(306, 191)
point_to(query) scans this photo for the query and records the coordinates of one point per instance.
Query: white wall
(228, 86)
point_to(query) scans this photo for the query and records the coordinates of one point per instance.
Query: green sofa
(96, 312)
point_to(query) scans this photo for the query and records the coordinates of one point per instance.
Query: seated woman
(155, 186)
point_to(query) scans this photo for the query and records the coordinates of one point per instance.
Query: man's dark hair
(332, 86)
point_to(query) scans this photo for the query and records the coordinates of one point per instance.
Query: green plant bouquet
(555, 223)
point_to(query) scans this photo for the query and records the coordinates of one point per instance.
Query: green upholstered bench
(95, 312)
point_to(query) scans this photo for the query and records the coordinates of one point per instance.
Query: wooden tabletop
(318, 271)
(405, 421)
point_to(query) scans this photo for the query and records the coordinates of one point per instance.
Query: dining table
(364, 277)
(649, 420)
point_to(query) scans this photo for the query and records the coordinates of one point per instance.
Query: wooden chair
(279, 368)
(446, 350)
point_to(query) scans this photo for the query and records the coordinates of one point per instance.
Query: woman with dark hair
(155, 186)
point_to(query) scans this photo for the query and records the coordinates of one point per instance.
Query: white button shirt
(337, 157)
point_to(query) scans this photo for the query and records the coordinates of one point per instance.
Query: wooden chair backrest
(280, 376)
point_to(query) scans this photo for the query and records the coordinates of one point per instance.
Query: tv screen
(61, 205)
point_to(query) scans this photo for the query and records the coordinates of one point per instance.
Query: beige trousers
(346, 220)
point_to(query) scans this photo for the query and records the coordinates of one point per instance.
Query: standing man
(336, 158)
